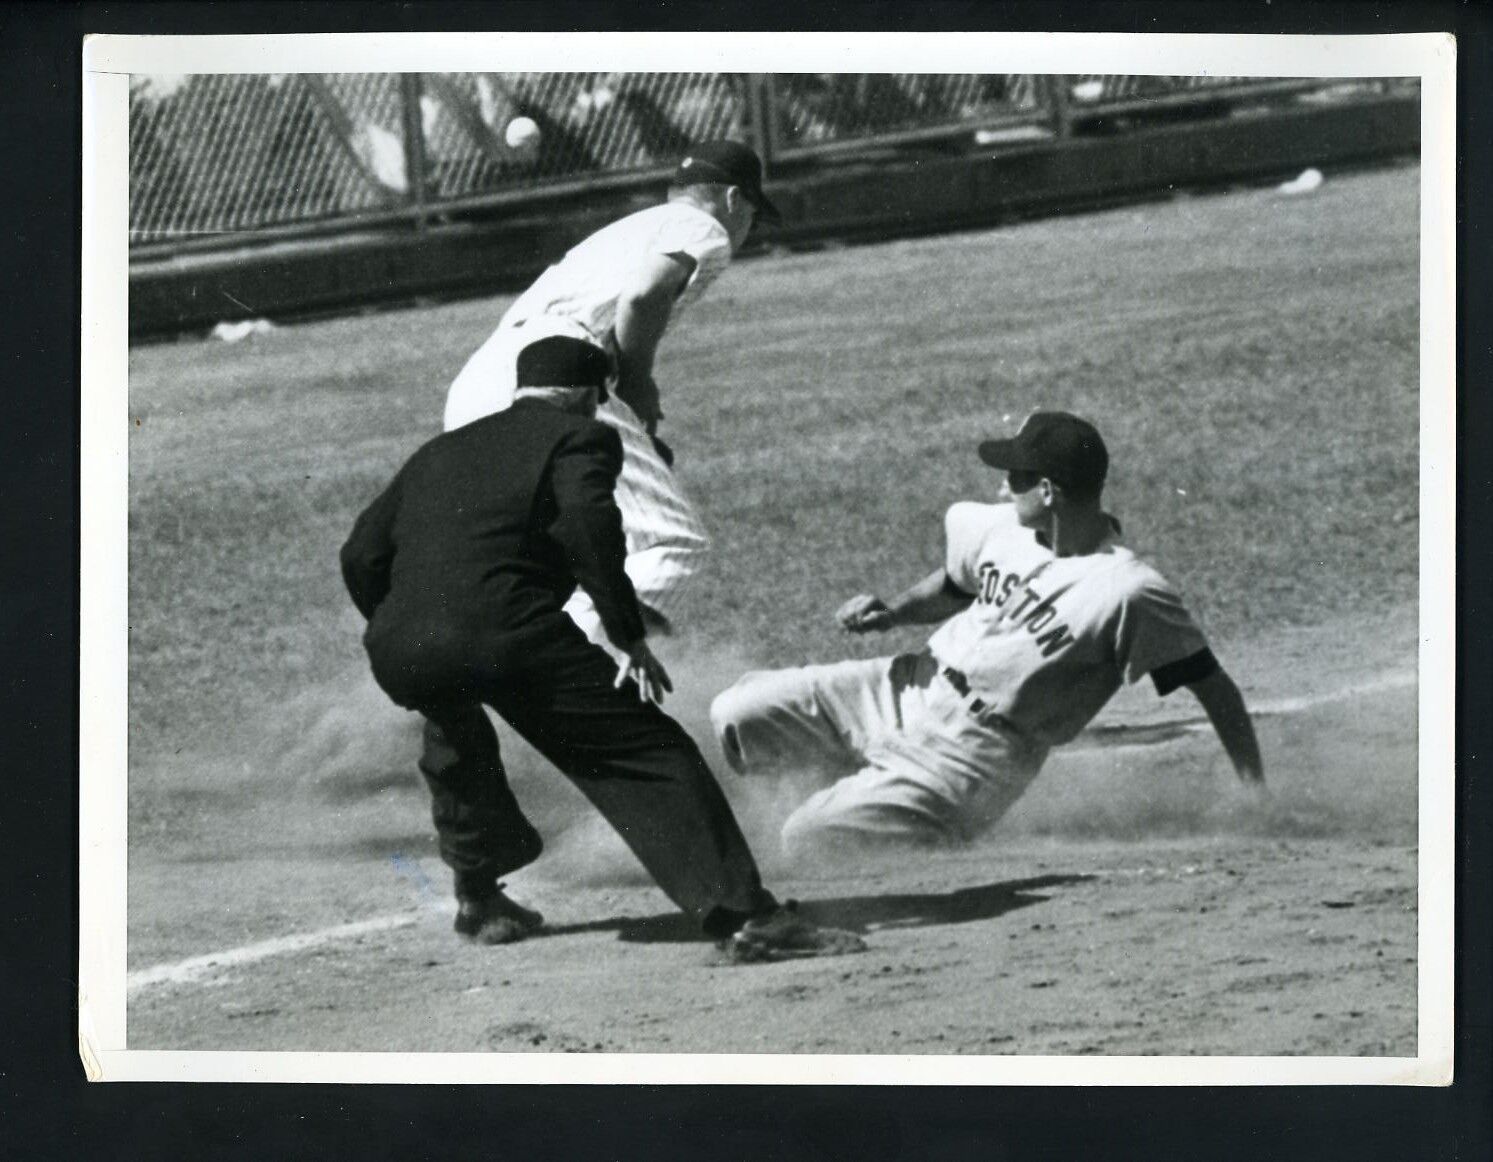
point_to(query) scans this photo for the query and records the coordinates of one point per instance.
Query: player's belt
(982, 712)
(956, 679)
(976, 706)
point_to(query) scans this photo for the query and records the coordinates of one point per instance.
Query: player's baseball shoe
(495, 919)
(784, 934)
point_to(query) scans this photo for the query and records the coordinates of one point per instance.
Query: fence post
(762, 104)
(1056, 86)
(410, 89)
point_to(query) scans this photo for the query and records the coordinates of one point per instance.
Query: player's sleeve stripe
(951, 588)
(687, 261)
(1193, 668)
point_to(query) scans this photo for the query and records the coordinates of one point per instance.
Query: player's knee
(740, 702)
(726, 712)
(734, 711)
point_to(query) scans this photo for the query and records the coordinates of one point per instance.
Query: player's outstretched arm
(643, 311)
(1224, 705)
(931, 600)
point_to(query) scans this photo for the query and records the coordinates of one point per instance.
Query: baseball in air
(522, 135)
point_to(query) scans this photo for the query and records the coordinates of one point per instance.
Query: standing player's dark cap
(732, 164)
(560, 361)
(1057, 445)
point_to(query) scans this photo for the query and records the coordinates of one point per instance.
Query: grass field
(1251, 359)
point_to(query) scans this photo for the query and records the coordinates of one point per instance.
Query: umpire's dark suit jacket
(463, 566)
(464, 563)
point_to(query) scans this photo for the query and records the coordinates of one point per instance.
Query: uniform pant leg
(666, 540)
(942, 777)
(489, 378)
(645, 775)
(482, 832)
(813, 718)
(487, 381)
(873, 808)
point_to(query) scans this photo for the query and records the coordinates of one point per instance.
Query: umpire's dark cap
(729, 163)
(560, 361)
(1058, 445)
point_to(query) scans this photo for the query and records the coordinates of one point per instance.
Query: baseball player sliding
(619, 289)
(1044, 613)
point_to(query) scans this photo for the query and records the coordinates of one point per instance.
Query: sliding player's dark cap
(1058, 445)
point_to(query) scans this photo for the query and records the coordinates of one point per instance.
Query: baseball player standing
(462, 566)
(1047, 614)
(619, 289)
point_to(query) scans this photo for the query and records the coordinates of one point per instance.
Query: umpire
(462, 567)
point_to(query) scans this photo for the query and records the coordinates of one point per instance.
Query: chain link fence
(217, 156)
(814, 110)
(223, 154)
(587, 122)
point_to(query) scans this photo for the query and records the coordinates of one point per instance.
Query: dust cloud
(1336, 769)
(342, 752)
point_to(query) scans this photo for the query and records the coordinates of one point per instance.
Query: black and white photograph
(873, 570)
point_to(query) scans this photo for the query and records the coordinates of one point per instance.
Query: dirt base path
(1131, 904)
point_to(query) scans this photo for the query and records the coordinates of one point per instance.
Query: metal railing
(216, 157)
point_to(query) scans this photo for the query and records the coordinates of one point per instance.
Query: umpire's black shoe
(783, 934)
(495, 919)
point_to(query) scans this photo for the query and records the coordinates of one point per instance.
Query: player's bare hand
(640, 666)
(864, 613)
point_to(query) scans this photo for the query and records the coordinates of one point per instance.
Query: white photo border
(108, 61)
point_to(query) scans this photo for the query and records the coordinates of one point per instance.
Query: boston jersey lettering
(1046, 640)
(1030, 610)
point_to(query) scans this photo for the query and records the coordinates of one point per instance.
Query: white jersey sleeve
(584, 286)
(967, 525)
(578, 295)
(703, 243)
(1154, 628)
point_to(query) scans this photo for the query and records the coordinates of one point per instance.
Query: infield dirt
(1131, 904)
(1252, 361)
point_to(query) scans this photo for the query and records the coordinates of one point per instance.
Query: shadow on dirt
(1132, 734)
(859, 913)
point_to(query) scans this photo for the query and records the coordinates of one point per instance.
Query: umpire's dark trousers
(635, 763)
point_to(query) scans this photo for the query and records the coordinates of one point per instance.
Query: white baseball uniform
(578, 297)
(936, 746)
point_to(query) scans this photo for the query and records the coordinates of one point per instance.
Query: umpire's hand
(645, 670)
